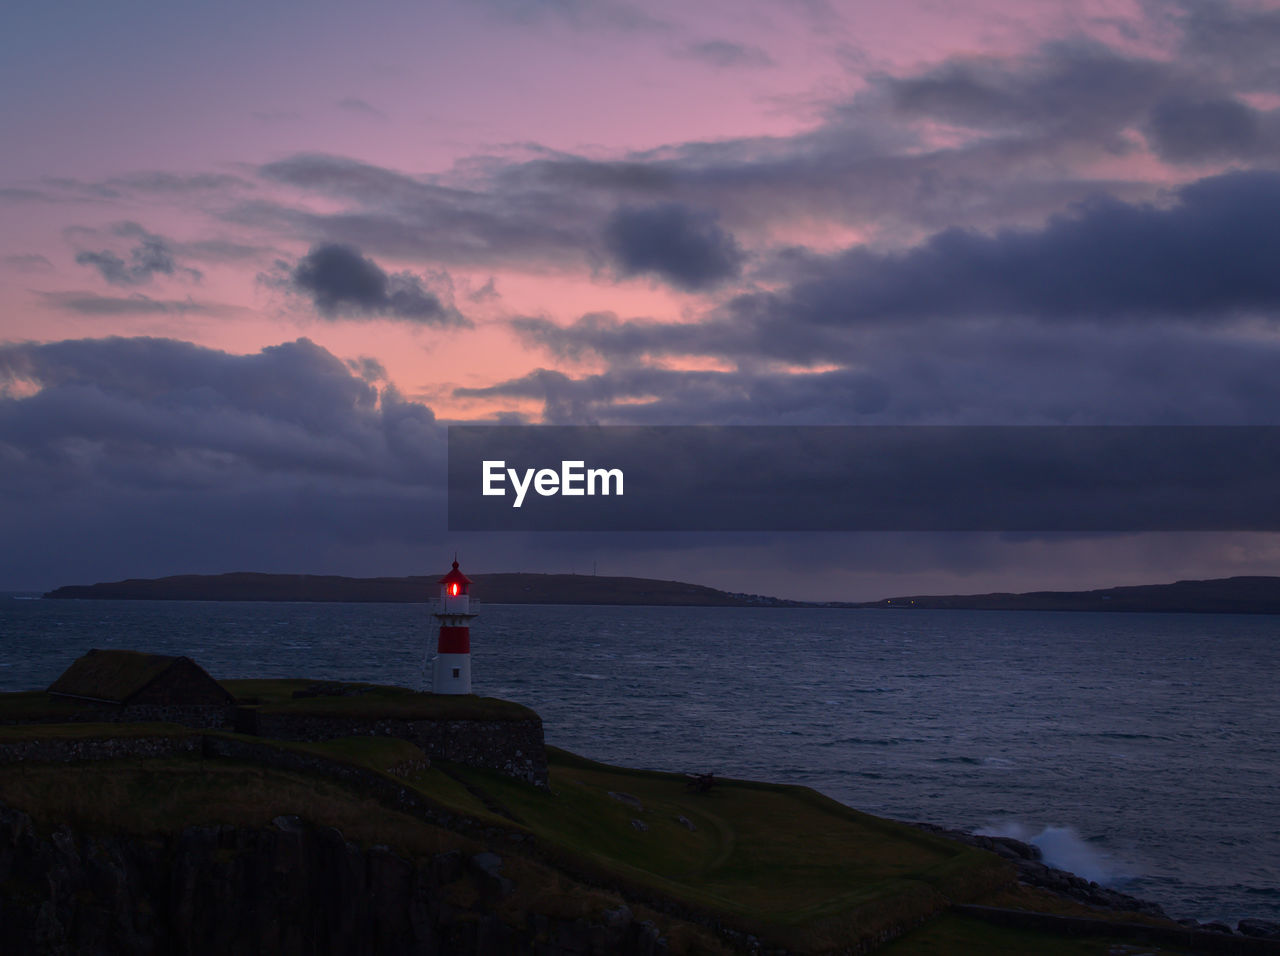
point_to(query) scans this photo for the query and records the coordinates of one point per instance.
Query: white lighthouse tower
(452, 673)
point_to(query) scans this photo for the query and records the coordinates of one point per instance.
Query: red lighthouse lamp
(452, 671)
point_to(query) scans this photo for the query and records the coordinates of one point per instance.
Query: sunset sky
(257, 256)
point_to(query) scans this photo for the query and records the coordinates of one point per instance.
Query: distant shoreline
(1236, 595)
(515, 588)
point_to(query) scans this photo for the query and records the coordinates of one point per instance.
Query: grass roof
(110, 675)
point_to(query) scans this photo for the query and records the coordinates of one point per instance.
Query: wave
(1065, 849)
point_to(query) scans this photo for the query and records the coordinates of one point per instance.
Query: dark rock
(618, 918)
(640, 825)
(1214, 926)
(290, 889)
(628, 799)
(1263, 928)
(1015, 849)
(686, 823)
(490, 867)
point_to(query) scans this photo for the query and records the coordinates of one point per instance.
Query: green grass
(387, 754)
(376, 753)
(166, 795)
(785, 863)
(791, 864)
(87, 730)
(37, 705)
(276, 697)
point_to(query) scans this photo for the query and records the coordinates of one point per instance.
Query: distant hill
(489, 588)
(1240, 595)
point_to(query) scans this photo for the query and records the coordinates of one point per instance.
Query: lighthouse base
(451, 674)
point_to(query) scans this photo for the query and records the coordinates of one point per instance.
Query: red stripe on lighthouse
(454, 640)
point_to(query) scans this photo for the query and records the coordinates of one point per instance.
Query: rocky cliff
(291, 888)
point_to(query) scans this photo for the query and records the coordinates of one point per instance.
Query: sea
(1138, 750)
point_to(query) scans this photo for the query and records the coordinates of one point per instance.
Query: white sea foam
(1065, 849)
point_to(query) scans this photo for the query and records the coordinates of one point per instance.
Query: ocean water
(1139, 750)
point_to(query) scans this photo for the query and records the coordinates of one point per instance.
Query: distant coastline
(517, 588)
(1236, 595)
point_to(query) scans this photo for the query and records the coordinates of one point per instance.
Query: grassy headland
(782, 863)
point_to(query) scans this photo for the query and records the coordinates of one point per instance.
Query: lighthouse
(452, 674)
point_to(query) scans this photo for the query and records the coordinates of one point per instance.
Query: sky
(257, 258)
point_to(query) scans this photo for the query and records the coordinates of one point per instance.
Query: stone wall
(67, 749)
(206, 716)
(513, 747)
(369, 781)
(203, 716)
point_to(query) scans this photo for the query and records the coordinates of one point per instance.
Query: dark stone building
(133, 686)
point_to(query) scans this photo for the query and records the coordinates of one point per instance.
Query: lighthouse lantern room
(452, 671)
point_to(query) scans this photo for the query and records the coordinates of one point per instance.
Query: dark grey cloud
(942, 373)
(1087, 92)
(1018, 126)
(674, 242)
(169, 412)
(869, 161)
(1235, 40)
(342, 282)
(1084, 87)
(618, 340)
(145, 261)
(1195, 130)
(487, 292)
(725, 54)
(142, 457)
(393, 213)
(1207, 257)
(155, 455)
(207, 250)
(90, 303)
(112, 267)
(369, 369)
(152, 255)
(171, 183)
(154, 183)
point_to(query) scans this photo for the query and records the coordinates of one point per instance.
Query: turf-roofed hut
(133, 686)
